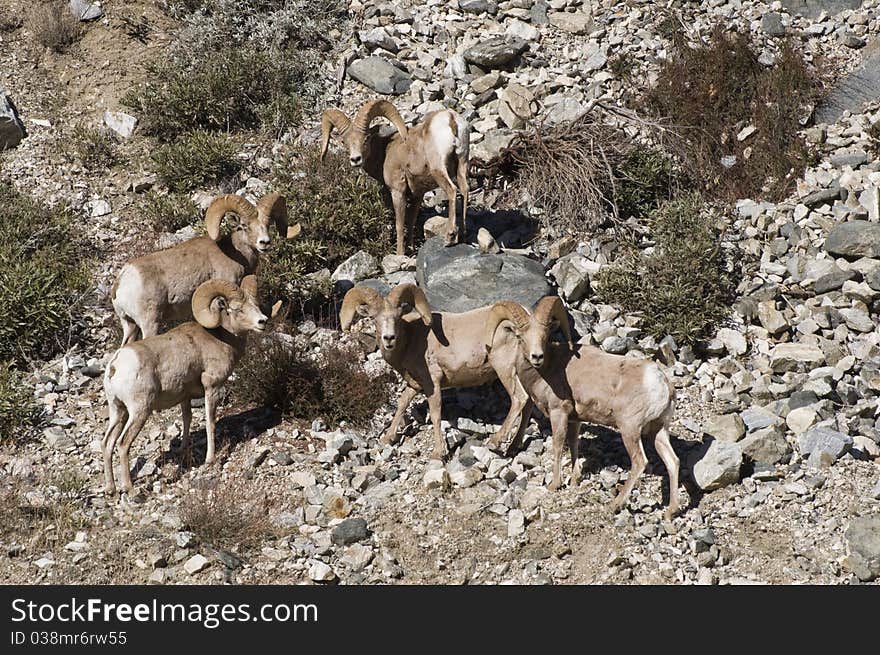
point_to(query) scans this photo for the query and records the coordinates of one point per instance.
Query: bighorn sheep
(409, 162)
(433, 351)
(158, 287)
(573, 384)
(168, 369)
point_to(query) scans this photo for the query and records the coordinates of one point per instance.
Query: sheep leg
(129, 329)
(412, 213)
(517, 418)
(210, 416)
(149, 328)
(406, 397)
(434, 407)
(571, 437)
(444, 182)
(463, 188)
(559, 425)
(632, 440)
(186, 417)
(667, 454)
(135, 424)
(118, 417)
(398, 199)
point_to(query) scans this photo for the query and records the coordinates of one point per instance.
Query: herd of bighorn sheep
(212, 282)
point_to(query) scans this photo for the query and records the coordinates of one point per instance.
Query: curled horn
(354, 298)
(249, 286)
(331, 119)
(549, 308)
(275, 206)
(375, 108)
(506, 310)
(203, 307)
(413, 296)
(228, 203)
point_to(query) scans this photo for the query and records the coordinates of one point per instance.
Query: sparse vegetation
(341, 212)
(94, 148)
(282, 373)
(54, 26)
(227, 515)
(715, 93)
(17, 409)
(684, 287)
(647, 177)
(169, 212)
(9, 20)
(196, 159)
(42, 276)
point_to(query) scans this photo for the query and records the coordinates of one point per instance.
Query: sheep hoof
(110, 490)
(553, 486)
(451, 239)
(438, 453)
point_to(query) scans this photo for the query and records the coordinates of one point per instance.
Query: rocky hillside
(776, 421)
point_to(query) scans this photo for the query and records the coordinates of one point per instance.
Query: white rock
(321, 572)
(195, 564)
(121, 123)
(801, 419)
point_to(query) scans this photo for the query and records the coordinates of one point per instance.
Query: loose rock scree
(407, 163)
(571, 384)
(194, 359)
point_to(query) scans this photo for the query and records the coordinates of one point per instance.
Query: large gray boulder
(854, 89)
(812, 8)
(380, 75)
(461, 278)
(496, 52)
(863, 546)
(719, 466)
(854, 239)
(823, 446)
(11, 128)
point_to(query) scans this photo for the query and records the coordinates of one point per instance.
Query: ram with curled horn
(192, 360)
(408, 162)
(433, 351)
(156, 289)
(571, 384)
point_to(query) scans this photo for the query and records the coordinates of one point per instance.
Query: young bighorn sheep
(158, 287)
(191, 360)
(572, 384)
(409, 162)
(433, 351)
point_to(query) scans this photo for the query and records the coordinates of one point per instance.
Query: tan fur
(590, 385)
(170, 369)
(448, 353)
(409, 165)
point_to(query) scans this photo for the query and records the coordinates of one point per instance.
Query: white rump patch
(656, 391)
(442, 138)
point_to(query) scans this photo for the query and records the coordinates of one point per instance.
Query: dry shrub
(228, 514)
(282, 373)
(713, 90)
(54, 25)
(684, 288)
(568, 170)
(94, 148)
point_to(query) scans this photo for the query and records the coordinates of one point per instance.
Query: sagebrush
(169, 212)
(94, 148)
(685, 287)
(714, 92)
(43, 275)
(284, 374)
(196, 159)
(18, 412)
(54, 26)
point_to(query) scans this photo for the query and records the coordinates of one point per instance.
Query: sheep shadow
(230, 431)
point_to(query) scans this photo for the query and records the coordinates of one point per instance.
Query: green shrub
(283, 374)
(18, 411)
(169, 212)
(94, 148)
(341, 212)
(712, 91)
(647, 177)
(683, 288)
(54, 26)
(42, 277)
(196, 159)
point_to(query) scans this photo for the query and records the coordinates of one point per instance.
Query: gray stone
(616, 345)
(771, 23)
(11, 128)
(793, 356)
(821, 197)
(349, 532)
(359, 266)
(854, 239)
(496, 52)
(719, 466)
(813, 8)
(85, 11)
(321, 572)
(734, 341)
(461, 278)
(516, 106)
(516, 523)
(476, 6)
(854, 159)
(196, 563)
(823, 445)
(565, 111)
(380, 75)
(120, 122)
(854, 89)
(57, 438)
(378, 38)
(573, 23)
(771, 318)
(863, 546)
(727, 427)
(832, 281)
(767, 446)
(357, 557)
(572, 275)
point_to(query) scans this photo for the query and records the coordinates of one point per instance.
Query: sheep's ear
(275, 309)
(219, 303)
(293, 231)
